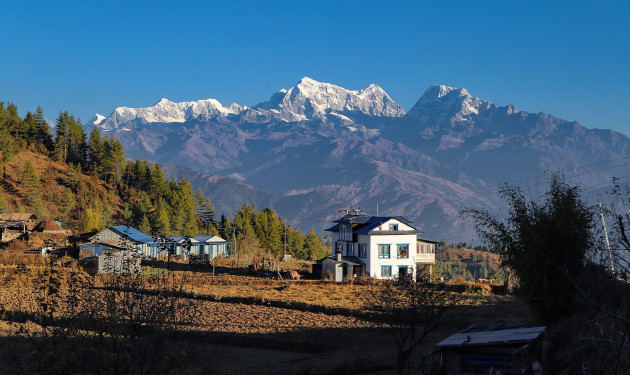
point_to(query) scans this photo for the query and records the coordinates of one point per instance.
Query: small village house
(14, 225)
(204, 246)
(129, 238)
(382, 247)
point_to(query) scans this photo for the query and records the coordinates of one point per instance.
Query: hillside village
(94, 245)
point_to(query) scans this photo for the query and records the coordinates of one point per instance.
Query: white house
(382, 247)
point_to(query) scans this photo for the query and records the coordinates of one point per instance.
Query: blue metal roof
(365, 224)
(176, 238)
(133, 234)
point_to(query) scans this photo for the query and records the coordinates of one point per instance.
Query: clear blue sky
(567, 58)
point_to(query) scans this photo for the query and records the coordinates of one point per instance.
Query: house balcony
(425, 258)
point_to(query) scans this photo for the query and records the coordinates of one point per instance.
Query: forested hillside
(85, 182)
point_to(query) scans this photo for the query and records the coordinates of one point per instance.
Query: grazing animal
(294, 275)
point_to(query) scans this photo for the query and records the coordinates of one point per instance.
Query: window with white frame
(393, 227)
(386, 271)
(403, 251)
(383, 251)
(362, 250)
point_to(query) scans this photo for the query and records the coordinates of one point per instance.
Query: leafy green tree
(545, 243)
(313, 247)
(295, 242)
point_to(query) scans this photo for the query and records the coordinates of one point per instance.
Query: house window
(362, 250)
(386, 271)
(345, 232)
(383, 251)
(393, 227)
(403, 251)
(350, 249)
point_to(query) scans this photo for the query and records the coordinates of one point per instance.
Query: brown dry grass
(257, 337)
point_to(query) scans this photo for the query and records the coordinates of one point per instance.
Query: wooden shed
(488, 349)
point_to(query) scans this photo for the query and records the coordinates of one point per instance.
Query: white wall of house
(376, 262)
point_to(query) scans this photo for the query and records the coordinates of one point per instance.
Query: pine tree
(145, 225)
(95, 152)
(295, 243)
(42, 134)
(29, 180)
(61, 140)
(161, 222)
(204, 210)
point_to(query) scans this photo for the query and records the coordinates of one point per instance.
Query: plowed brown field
(248, 325)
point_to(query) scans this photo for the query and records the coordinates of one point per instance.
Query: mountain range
(316, 148)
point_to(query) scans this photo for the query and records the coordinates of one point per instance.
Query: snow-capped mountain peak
(310, 99)
(97, 119)
(166, 111)
(442, 104)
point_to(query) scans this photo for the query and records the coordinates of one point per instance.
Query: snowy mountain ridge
(307, 100)
(166, 111)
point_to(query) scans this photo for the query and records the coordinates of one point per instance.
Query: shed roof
(487, 334)
(20, 216)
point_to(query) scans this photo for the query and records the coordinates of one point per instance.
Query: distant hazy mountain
(316, 147)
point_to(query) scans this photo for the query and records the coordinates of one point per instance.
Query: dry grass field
(229, 323)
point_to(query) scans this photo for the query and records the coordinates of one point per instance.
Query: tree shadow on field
(309, 351)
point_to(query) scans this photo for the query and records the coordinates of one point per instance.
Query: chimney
(339, 256)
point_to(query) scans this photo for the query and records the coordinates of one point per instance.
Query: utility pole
(610, 259)
(285, 239)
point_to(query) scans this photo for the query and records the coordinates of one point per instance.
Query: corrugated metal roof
(363, 224)
(133, 233)
(479, 334)
(376, 221)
